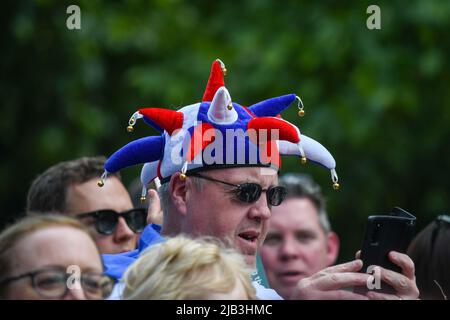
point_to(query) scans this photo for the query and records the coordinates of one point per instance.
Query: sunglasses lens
(106, 222)
(276, 195)
(249, 192)
(136, 219)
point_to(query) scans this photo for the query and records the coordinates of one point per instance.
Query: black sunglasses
(52, 282)
(106, 221)
(250, 192)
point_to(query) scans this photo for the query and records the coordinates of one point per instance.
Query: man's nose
(288, 249)
(122, 232)
(260, 209)
(75, 294)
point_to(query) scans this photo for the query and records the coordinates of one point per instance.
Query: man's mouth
(250, 235)
(248, 241)
(291, 276)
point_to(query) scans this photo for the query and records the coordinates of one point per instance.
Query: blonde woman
(186, 269)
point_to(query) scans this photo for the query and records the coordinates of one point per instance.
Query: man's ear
(154, 212)
(332, 248)
(177, 189)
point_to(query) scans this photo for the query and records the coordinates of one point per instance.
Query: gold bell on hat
(183, 175)
(300, 106)
(336, 186)
(101, 182)
(230, 106)
(222, 66)
(303, 160)
(132, 121)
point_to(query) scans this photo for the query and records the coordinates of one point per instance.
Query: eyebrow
(261, 183)
(91, 269)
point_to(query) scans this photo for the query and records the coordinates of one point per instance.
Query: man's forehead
(261, 175)
(87, 196)
(295, 212)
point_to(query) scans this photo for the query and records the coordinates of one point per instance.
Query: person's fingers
(358, 254)
(405, 287)
(404, 262)
(340, 295)
(327, 284)
(372, 295)
(154, 209)
(352, 266)
(336, 281)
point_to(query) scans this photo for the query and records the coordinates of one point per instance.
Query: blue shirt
(116, 264)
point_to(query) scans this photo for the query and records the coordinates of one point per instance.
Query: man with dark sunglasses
(214, 183)
(70, 188)
(239, 199)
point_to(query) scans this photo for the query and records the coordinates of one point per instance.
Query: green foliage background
(377, 99)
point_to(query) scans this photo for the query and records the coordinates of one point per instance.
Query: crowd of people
(141, 260)
(217, 210)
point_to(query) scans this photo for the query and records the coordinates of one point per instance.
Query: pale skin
(51, 246)
(219, 214)
(296, 246)
(88, 197)
(155, 213)
(334, 282)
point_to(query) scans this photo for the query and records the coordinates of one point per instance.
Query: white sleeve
(117, 291)
(265, 294)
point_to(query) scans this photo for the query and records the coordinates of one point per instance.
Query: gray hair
(302, 186)
(166, 201)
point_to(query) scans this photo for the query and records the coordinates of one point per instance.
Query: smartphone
(383, 234)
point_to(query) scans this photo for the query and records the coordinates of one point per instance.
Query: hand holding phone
(383, 234)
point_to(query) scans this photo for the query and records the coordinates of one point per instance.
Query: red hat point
(215, 81)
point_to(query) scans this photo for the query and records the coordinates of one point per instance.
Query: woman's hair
(431, 255)
(19, 230)
(182, 268)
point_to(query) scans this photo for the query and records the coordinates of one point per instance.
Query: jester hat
(217, 133)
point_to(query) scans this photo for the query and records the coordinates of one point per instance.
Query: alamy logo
(374, 282)
(73, 21)
(73, 281)
(374, 20)
(211, 146)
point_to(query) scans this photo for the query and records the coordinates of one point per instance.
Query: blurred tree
(375, 98)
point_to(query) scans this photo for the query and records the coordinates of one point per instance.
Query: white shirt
(262, 292)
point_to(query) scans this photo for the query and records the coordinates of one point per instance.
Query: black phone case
(385, 233)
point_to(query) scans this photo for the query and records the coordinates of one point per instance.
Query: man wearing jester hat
(218, 163)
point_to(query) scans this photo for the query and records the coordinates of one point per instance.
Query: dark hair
(431, 255)
(47, 193)
(302, 186)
